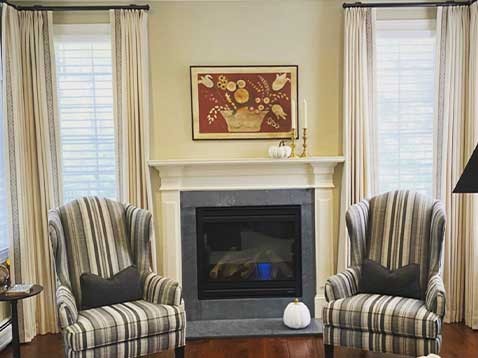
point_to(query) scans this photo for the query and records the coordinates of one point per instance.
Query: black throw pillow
(404, 282)
(122, 287)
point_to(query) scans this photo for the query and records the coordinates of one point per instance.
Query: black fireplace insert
(249, 251)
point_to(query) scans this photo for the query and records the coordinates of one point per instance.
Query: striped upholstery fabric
(400, 231)
(162, 290)
(95, 235)
(107, 325)
(379, 342)
(383, 314)
(357, 226)
(435, 296)
(67, 309)
(102, 236)
(394, 229)
(140, 228)
(133, 348)
(344, 284)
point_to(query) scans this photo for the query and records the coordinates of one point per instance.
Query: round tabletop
(36, 289)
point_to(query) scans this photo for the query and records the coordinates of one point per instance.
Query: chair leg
(179, 352)
(329, 351)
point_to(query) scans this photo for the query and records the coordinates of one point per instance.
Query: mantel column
(324, 233)
(170, 233)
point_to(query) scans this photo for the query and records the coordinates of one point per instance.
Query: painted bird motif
(206, 81)
(278, 111)
(280, 81)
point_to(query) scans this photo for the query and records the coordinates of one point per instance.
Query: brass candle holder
(293, 134)
(304, 145)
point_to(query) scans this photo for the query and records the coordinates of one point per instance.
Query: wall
(306, 33)
(183, 33)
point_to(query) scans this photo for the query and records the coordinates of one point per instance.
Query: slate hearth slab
(238, 328)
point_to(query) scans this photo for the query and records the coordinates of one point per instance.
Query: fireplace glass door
(249, 251)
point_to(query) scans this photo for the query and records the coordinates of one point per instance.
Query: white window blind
(4, 240)
(85, 101)
(405, 85)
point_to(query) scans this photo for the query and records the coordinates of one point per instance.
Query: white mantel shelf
(289, 161)
(315, 173)
(253, 173)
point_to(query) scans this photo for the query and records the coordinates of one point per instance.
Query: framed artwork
(243, 102)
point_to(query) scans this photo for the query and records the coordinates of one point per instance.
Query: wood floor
(458, 341)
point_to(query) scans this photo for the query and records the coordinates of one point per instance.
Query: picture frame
(244, 102)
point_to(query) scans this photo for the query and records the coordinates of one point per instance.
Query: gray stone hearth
(244, 308)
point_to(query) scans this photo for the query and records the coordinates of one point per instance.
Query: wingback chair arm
(343, 284)
(161, 290)
(435, 297)
(67, 309)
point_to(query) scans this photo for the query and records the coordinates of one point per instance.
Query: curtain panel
(358, 178)
(32, 161)
(455, 138)
(129, 29)
(131, 109)
(471, 249)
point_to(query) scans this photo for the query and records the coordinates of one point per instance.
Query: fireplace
(249, 251)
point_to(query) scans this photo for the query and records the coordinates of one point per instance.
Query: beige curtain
(32, 163)
(457, 136)
(471, 245)
(131, 85)
(359, 137)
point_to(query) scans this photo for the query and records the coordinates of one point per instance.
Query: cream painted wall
(306, 33)
(303, 32)
(184, 33)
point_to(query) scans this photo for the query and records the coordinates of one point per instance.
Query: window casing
(405, 104)
(85, 101)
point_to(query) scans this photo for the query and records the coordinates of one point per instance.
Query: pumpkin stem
(296, 300)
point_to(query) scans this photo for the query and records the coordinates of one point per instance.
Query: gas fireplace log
(243, 263)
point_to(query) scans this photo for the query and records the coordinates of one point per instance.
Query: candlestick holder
(304, 145)
(293, 134)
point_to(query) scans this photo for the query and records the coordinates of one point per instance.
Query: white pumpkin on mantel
(296, 315)
(281, 151)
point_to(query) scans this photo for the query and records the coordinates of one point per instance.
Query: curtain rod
(408, 4)
(76, 7)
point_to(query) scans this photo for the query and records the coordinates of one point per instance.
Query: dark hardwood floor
(458, 341)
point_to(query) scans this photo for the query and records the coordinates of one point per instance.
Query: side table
(36, 289)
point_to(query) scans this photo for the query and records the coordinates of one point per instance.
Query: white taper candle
(293, 111)
(305, 113)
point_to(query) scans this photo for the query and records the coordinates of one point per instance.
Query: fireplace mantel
(176, 176)
(239, 174)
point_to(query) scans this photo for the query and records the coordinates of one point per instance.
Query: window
(85, 101)
(405, 74)
(4, 232)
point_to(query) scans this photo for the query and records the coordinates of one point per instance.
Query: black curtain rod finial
(408, 4)
(37, 7)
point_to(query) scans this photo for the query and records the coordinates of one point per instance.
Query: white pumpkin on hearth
(296, 315)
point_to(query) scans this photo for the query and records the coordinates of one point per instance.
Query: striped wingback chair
(102, 236)
(394, 229)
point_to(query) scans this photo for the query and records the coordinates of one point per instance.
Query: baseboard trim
(5, 333)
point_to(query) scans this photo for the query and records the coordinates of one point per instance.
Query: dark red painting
(243, 102)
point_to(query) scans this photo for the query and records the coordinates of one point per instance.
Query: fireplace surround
(176, 178)
(295, 204)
